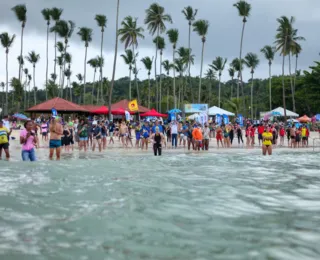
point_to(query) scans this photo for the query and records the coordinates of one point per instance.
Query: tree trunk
(210, 91)
(101, 85)
(64, 67)
(189, 65)
(240, 56)
(291, 83)
(270, 83)
(47, 64)
(232, 82)
(283, 85)
(25, 93)
(93, 83)
(295, 75)
(252, 96)
(199, 96)
(115, 58)
(174, 81)
(55, 56)
(135, 74)
(160, 94)
(129, 84)
(70, 89)
(167, 98)
(21, 51)
(60, 82)
(155, 70)
(149, 89)
(7, 84)
(84, 74)
(219, 91)
(34, 85)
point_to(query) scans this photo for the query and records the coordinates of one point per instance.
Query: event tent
(153, 112)
(304, 119)
(281, 111)
(217, 110)
(103, 110)
(194, 116)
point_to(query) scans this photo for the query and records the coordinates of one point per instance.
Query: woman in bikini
(267, 138)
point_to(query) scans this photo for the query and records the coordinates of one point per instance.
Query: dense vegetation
(297, 91)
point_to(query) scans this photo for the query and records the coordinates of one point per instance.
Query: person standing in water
(4, 140)
(123, 133)
(56, 131)
(267, 138)
(158, 139)
(83, 135)
(96, 135)
(28, 141)
(111, 130)
(44, 131)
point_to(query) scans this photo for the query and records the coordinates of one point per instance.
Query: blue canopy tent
(21, 117)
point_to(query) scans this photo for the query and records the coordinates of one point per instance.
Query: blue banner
(54, 112)
(318, 117)
(218, 119)
(240, 119)
(225, 119)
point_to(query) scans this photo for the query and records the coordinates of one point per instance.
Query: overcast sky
(223, 38)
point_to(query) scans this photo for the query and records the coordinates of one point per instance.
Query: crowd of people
(99, 133)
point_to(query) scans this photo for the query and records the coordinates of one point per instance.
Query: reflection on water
(179, 206)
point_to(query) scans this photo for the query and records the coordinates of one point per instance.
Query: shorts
(138, 136)
(44, 134)
(65, 141)
(260, 136)
(71, 140)
(111, 134)
(219, 138)
(103, 135)
(4, 146)
(304, 138)
(97, 137)
(54, 144)
(83, 139)
(184, 137)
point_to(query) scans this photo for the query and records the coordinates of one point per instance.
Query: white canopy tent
(289, 113)
(194, 116)
(217, 110)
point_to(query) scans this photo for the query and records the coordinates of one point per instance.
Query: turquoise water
(180, 206)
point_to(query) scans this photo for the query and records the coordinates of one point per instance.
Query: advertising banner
(195, 108)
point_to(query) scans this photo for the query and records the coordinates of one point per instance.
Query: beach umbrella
(103, 110)
(291, 120)
(120, 111)
(175, 110)
(318, 117)
(304, 119)
(21, 117)
(154, 113)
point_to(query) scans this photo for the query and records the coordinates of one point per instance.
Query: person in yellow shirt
(267, 138)
(304, 135)
(4, 142)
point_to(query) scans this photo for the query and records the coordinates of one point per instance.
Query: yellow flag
(133, 105)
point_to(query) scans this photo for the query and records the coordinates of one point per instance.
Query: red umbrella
(101, 111)
(153, 112)
(120, 111)
(304, 119)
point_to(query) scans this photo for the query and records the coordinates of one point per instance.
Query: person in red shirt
(252, 132)
(260, 132)
(307, 135)
(282, 133)
(219, 136)
(248, 131)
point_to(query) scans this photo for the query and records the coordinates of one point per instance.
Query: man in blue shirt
(157, 125)
(145, 133)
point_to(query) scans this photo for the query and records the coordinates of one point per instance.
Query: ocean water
(119, 205)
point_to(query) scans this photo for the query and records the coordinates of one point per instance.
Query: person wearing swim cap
(158, 139)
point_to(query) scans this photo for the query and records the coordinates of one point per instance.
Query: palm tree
(55, 14)
(210, 75)
(147, 62)
(86, 36)
(64, 29)
(155, 20)
(102, 23)
(17, 90)
(29, 83)
(46, 13)
(2, 85)
(94, 64)
(201, 27)
(6, 42)
(80, 78)
(218, 65)
(269, 53)
(180, 66)
(252, 62)
(60, 60)
(33, 58)
(190, 16)
(244, 9)
(100, 64)
(68, 58)
(173, 35)
(296, 50)
(68, 74)
(26, 73)
(167, 67)
(161, 46)
(238, 67)
(129, 60)
(129, 34)
(21, 14)
(231, 71)
(115, 59)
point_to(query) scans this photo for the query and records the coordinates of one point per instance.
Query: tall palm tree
(33, 58)
(86, 36)
(155, 21)
(68, 58)
(29, 84)
(201, 27)
(100, 64)
(80, 78)
(17, 90)
(68, 74)
(167, 66)
(129, 34)
(115, 59)
(147, 62)
(238, 67)
(102, 23)
(296, 50)
(244, 9)
(129, 60)
(218, 65)
(21, 14)
(6, 42)
(161, 46)
(180, 66)
(190, 16)
(269, 53)
(210, 75)
(26, 73)
(94, 64)
(173, 35)
(65, 30)
(46, 13)
(2, 85)
(231, 71)
(60, 61)
(252, 62)
(55, 14)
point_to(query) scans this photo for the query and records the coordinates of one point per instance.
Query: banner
(203, 118)
(195, 108)
(54, 112)
(218, 119)
(127, 114)
(172, 116)
(240, 117)
(133, 105)
(225, 119)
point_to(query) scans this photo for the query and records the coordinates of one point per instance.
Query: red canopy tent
(153, 112)
(120, 111)
(103, 110)
(304, 119)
